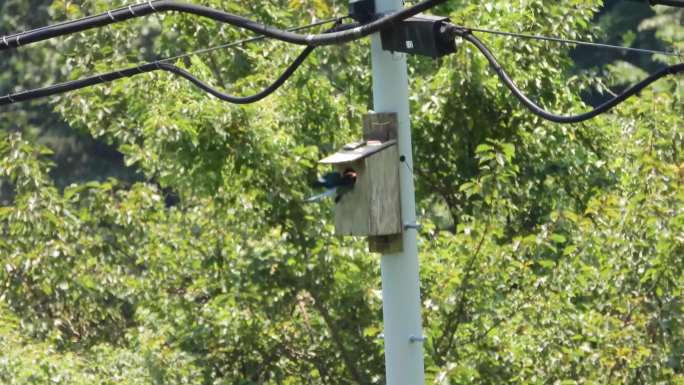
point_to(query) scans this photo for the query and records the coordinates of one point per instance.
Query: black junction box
(362, 11)
(420, 35)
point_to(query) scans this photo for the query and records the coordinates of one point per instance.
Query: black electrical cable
(150, 67)
(539, 111)
(150, 7)
(160, 65)
(671, 3)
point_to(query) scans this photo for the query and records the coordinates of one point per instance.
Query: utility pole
(401, 303)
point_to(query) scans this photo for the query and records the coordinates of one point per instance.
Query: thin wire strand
(246, 40)
(575, 42)
(14, 35)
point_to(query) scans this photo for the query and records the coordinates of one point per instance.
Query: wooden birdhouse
(372, 207)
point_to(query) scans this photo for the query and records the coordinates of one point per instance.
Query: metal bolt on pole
(400, 272)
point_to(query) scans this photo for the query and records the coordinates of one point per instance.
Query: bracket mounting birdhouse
(372, 207)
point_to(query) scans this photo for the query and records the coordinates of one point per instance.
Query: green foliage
(79, 157)
(550, 254)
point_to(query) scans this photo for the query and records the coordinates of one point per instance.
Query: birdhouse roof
(355, 151)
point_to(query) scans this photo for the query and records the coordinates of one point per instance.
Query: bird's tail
(323, 195)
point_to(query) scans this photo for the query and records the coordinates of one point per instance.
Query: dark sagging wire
(150, 7)
(539, 111)
(671, 3)
(336, 35)
(163, 66)
(150, 67)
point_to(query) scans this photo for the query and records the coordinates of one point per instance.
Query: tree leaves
(548, 255)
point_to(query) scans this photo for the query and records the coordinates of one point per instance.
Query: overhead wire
(574, 42)
(634, 90)
(671, 3)
(162, 64)
(462, 31)
(143, 9)
(334, 36)
(252, 39)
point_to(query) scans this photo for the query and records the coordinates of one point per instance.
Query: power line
(574, 42)
(162, 65)
(336, 35)
(151, 7)
(671, 3)
(539, 111)
(143, 9)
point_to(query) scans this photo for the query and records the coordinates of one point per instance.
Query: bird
(334, 182)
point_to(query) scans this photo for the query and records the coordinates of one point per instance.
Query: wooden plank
(351, 212)
(361, 152)
(386, 244)
(380, 126)
(385, 206)
(383, 127)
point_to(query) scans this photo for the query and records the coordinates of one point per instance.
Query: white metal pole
(400, 272)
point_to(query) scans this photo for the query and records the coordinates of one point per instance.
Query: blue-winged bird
(335, 183)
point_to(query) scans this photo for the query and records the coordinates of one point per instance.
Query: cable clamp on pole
(111, 16)
(149, 2)
(130, 8)
(414, 339)
(9, 96)
(18, 43)
(4, 40)
(415, 226)
(457, 30)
